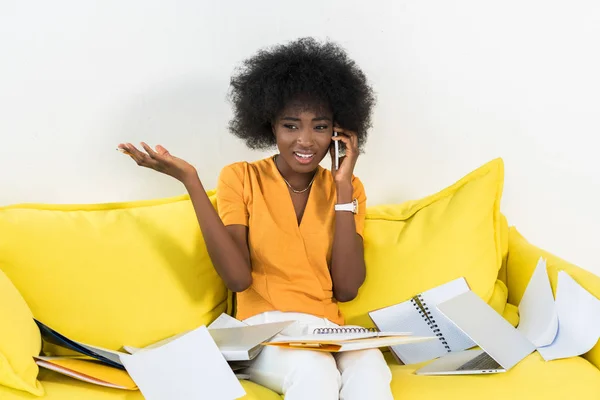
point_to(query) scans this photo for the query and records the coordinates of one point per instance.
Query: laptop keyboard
(482, 361)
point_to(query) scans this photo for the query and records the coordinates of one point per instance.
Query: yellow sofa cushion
(112, 274)
(19, 340)
(60, 387)
(533, 378)
(417, 245)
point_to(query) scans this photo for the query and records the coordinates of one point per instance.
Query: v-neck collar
(288, 205)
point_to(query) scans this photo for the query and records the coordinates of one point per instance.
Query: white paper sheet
(537, 310)
(579, 320)
(226, 321)
(190, 367)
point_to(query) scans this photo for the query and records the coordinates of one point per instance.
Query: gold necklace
(290, 186)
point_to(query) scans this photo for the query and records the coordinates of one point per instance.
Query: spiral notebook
(334, 340)
(420, 316)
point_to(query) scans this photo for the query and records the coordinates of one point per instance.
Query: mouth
(304, 158)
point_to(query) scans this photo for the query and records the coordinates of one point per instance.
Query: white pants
(314, 375)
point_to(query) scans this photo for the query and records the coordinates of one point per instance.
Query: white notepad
(420, 316)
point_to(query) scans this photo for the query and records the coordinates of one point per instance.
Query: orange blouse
(290, 262)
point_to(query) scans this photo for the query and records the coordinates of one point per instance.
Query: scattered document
(189, 367)
(578, 320)
(537, 310)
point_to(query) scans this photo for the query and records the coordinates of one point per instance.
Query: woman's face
(303, 136)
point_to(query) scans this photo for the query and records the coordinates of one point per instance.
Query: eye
(290, 126)
(321, 127)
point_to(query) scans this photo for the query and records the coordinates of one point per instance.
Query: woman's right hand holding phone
(160, 160)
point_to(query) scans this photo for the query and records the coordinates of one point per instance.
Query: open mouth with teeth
(304, 158)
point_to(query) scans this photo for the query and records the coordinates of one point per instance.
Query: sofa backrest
(112, 274)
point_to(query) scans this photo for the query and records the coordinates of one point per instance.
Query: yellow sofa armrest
(522, 260)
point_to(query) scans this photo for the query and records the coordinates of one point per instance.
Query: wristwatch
(353, 207)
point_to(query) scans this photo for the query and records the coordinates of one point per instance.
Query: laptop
(502, 346)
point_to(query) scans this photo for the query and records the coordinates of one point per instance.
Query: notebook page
(454, 338)
(578, 320)
(537, 310)
(341, 337)
(404, 317)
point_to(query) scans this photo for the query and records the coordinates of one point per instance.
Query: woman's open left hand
(348, 161)
(160, 160)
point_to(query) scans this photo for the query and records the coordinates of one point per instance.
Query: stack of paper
(334, 342)
(94, 364)
(88, 370)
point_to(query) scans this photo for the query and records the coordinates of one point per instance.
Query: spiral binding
(325, 331)
(424, 312)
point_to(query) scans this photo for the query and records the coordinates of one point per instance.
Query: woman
(287, 236)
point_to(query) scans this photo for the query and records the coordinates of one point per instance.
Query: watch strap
(352, 207)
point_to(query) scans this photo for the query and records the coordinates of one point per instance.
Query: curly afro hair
(317, 73)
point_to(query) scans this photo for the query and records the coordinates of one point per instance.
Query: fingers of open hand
(161, 150)
(142, 159)
(150, 151)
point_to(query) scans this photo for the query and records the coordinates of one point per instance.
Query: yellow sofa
(133, 273)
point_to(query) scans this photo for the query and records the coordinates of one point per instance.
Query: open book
(93, 364)
(566, 327)
(420, 316)
(335, 340)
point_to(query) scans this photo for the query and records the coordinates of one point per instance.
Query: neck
(298, 180)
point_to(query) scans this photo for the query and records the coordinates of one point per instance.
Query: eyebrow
(323, 118)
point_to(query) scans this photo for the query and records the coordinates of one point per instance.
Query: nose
(305, 137)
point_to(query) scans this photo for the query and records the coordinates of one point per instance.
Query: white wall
(458, 83)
